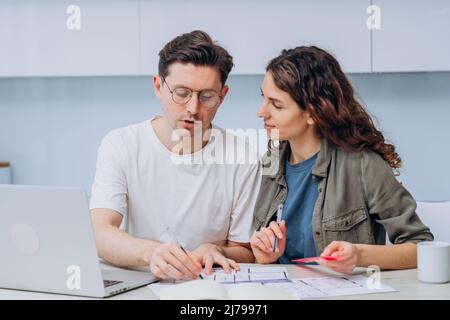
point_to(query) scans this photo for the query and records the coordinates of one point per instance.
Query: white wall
(50, 128)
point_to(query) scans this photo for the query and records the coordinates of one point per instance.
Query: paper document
(327, 287)
(302, 288)
(248, 274)
(256, 275)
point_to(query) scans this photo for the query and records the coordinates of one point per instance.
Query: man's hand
(262, 242)
(209, 254)
(347, 255)
(169, 261)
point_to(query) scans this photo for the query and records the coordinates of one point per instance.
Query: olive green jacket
(359, 199)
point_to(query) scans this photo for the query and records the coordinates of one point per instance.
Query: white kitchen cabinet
(255, 31)
(35, 39)
(414, 36)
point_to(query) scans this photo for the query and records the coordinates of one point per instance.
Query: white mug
(5, 173)
(433, 261)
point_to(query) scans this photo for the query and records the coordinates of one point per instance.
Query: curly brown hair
(314, 79)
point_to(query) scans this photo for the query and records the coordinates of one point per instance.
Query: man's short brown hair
(198, 48)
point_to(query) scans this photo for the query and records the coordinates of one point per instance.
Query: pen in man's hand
(200, 275)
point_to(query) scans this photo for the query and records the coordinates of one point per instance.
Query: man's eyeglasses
(207, 98)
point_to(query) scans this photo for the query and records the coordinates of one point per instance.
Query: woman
(335, 173)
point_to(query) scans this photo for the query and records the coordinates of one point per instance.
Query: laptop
(47, 244)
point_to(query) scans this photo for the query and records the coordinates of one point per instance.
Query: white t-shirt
(167, 197)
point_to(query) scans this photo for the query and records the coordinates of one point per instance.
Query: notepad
(212, 290)
(221, 285)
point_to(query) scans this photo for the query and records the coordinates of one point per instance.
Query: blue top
(298, 209)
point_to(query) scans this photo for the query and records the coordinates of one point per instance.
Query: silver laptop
(47, 245)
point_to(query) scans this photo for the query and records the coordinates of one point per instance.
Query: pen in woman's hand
(279, 213)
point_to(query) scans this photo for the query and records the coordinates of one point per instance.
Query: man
(181, 214)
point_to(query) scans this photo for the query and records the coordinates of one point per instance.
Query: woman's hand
(262, 242)
(347, 255)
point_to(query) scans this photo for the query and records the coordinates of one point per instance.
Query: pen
(200, 275)
(279, 213)
(314, 259)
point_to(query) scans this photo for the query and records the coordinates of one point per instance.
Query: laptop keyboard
(109, 283)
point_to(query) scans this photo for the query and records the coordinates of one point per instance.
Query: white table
(405, 281)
